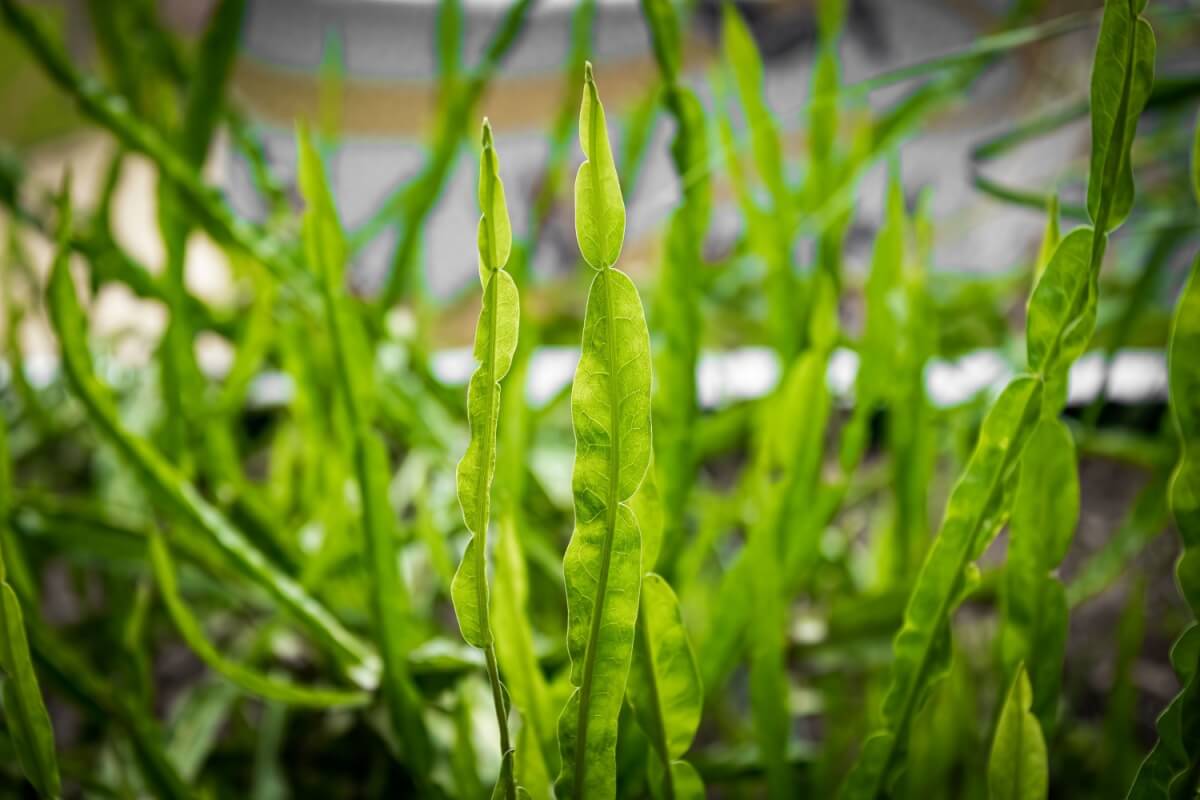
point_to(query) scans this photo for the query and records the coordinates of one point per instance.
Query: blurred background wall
(367, 70)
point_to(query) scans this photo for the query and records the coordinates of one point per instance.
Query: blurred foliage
(241, 581)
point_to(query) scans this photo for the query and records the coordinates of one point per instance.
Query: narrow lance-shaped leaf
(1033, 628)
(495, 344)
(1017, 769)
(25, 717)
(610, 410)
(1172, 770)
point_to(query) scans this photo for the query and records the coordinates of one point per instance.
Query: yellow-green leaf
(599, 207)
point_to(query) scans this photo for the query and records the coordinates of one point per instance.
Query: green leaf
(510, 610)
(25, 714)
(685, 781)
(1172, 770)
(495, 230)
(1050, 238)
(449, 42)
(769, 232)
(207, 84)
(664, 683)
(1062, 308)
(665, 37)
(1045, 512)
(1017, 769)
(495, 345)
(113, 113)
(823, 108)
(974, 513)
(599, 207)
(505, 782)
(647, 506)
(610, 404)
(197, 722)
(1122, 78)
(742, 57)
(883, 295)
(788, 458)
(610, 412)
(246, 678)
(1146, 519)
(1046, 506)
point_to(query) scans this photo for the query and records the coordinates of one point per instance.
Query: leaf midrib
(610, 523)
